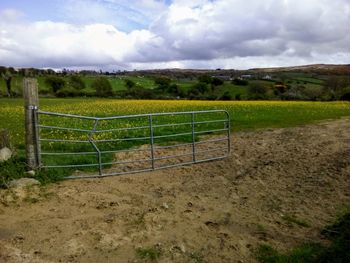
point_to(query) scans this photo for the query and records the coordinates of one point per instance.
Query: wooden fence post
(31, 104)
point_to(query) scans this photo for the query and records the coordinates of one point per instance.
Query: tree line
(204, 87)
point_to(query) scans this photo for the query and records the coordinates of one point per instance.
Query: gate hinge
(32, 107)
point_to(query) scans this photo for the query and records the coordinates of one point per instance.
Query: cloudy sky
(127, 34)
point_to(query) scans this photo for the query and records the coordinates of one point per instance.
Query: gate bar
(151, 139)
(194, 131)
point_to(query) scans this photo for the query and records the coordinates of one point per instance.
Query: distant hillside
(321, 69)
(327, 69)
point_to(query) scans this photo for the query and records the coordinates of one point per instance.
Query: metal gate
(130, 144)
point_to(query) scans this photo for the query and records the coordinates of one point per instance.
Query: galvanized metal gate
(130, 144)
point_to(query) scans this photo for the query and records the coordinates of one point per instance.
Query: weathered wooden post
(31, 104)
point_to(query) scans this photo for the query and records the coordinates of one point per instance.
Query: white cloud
(10, 14)
(45, 44)
(199, 33)
(124, 14)
(231, 28)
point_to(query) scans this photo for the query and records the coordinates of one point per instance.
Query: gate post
(31, 103)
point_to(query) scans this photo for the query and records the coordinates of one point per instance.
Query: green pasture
(244, 114)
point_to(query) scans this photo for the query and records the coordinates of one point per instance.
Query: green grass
(244, 115)
(151, 254)
(306, 253)
(15, 168)
(338, 251)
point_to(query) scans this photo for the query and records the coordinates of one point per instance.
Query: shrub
(240, 82)
(205, 79)
(257, 91)
(68, 92)
(216, 82)
(129, 83)
(102, 87)
(138, 92)
(162, 83)
(313, 92)
(13, 168)
(345, 94)
(77, 83)
(226, 96)
(55, 83)
(198, 88)
(173, 89)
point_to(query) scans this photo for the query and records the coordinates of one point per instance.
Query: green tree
(173, 89)
(102, 87)
(217, 82)
(198, 88)
(205, 79)
(313, 92)
(7, 74)
(240, 82)
(129, 84)
(55, 83)
(162, 83)
(335, 85)
(226, 96)
(76, 82)
(257, 91)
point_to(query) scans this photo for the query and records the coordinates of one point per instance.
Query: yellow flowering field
(243, 114)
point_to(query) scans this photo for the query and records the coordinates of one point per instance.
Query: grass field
(244, 115)
(147, 82)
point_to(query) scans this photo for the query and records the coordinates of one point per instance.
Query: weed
(293, 220)
(274, 204)
(31, 200)
(46, 176)
(261, 229)
(151, 253)
(15, 168)
(11, 169)
(197, 257)
(305, 253)
(337, 252)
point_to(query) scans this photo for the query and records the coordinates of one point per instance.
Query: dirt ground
(279, 186)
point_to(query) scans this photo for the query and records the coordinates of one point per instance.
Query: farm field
(245, 115)
(279, 187)
(303, 86)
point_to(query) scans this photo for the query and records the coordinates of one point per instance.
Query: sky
(148, 34)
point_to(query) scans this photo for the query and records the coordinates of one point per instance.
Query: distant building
(267, 77)
(246, 76)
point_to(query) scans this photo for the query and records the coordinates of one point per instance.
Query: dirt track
(210, 212)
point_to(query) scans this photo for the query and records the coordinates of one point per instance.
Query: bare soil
(279, 186)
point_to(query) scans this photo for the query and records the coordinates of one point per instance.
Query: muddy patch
(279, 186)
